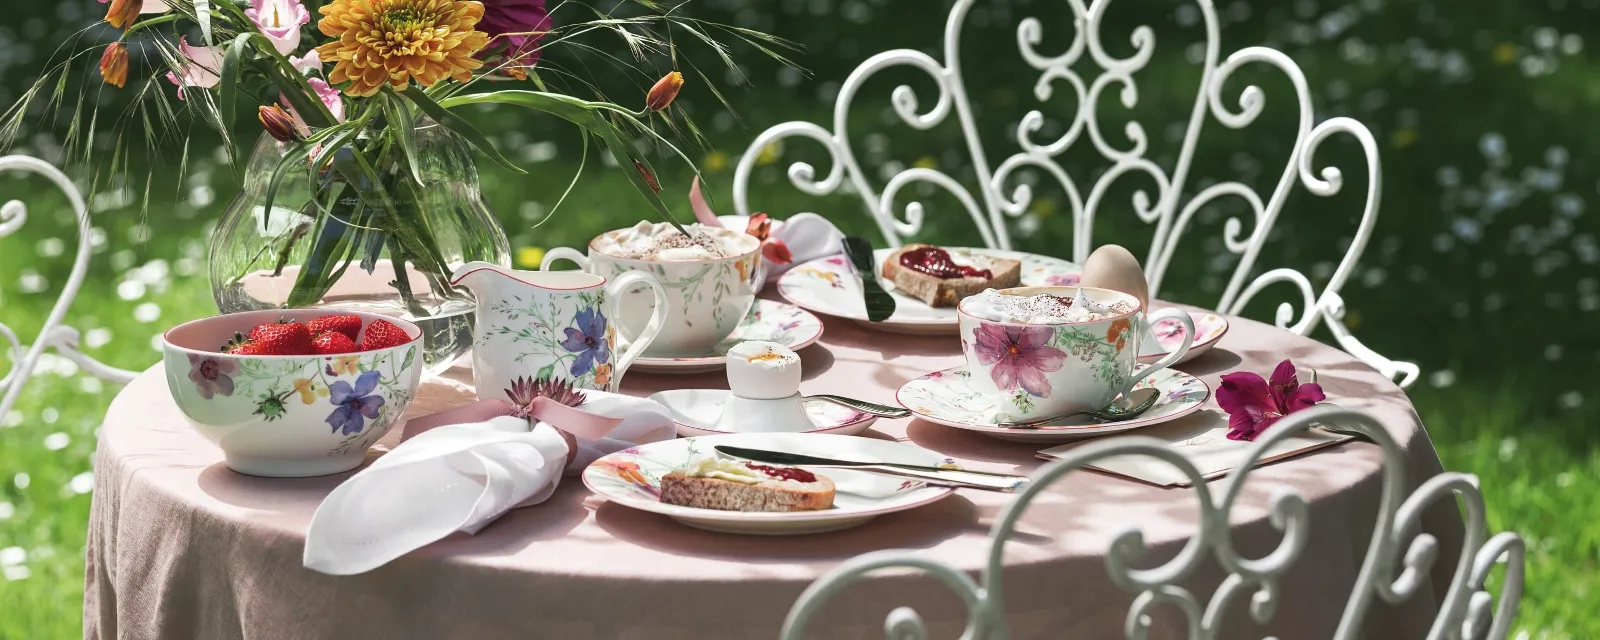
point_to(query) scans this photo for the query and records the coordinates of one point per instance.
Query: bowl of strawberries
(293, 392)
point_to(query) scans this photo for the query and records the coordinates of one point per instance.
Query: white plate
(828, 286)
(1209, 328)
(768, 320)
(632, 478)
(697, 411)
(944, 397)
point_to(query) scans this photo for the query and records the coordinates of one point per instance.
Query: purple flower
(515, 28)
(210, 375)
(1253, 406)
(1018, 356)
(588, 340)
(354, 403)
(1063, 280)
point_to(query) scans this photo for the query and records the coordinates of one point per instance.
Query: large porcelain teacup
(1043, 369)
(535, 324)
(706, 299)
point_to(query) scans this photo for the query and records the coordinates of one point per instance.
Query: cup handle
(1177, 354)
(564, 253)
(658, 316)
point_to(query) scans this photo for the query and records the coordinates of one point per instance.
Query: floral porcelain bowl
(289, 416)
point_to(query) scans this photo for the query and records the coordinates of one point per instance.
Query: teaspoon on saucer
(1125, 407)
(869, 408)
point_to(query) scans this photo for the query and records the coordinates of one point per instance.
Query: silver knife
(932, 475)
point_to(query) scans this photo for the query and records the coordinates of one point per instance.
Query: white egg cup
(764, 390)
(758, 415)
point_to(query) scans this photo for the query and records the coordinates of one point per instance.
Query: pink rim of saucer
(935, 493)
(858, 419)
(989, 428)
(810, 340)
(1208, 341)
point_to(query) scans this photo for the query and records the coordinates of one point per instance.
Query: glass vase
(337, 238)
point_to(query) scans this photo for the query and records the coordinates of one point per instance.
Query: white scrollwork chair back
(53, 334)
(1396, 565)
(991, 207)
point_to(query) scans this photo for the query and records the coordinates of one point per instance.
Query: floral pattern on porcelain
(572, 341)
(356, 397)
(706, 297)
(948, 396)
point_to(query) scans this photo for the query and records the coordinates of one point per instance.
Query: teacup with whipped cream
(1043, 351)
(711, 277)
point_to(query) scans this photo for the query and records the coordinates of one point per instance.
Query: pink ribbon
(571, 422)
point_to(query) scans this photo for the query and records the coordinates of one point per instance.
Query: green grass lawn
(1536, 464)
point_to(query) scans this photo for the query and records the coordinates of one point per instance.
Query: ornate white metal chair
(1396, 564)
(994, 203)
(53, 334)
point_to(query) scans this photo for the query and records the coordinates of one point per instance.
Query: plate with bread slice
(687, 480)
(926, 282)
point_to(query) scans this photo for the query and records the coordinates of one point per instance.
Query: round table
(182, 547)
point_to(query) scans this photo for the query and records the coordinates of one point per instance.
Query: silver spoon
(1125, 407)
(870, 408)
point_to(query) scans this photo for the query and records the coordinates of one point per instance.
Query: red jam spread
(785, 473)
(936, 262)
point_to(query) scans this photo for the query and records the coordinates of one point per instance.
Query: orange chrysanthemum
(396, 41)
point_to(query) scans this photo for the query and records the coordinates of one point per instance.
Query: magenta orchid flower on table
(1254, 404)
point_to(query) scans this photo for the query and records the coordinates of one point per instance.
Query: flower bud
(775, 250)
(663, 92)
(760, 226)
(122, 13)
(114, 65)
(278, 123)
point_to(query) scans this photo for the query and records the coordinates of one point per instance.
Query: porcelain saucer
(696, 412)
(828, 286)
(1208, 328)
(945, 397)
(769, 320)
(632, 478)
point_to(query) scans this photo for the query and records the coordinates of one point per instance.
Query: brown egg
(1112, 267)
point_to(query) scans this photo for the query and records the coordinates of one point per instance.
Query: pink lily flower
(280, 21)
(1253, 406)
(205, 63)
(311, 61)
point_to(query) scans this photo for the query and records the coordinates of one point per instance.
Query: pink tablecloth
(182, 547)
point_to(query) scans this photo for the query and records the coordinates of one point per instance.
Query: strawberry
(281, 339)
(241, 345)
(330, 343)
(347, 324)
(382, 334)
(256, 332)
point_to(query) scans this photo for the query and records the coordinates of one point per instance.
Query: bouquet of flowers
(360, 99)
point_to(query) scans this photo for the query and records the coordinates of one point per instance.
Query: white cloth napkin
(808, 236)
(461, 478)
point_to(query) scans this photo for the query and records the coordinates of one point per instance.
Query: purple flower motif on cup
(1253, 405)
(354, 403)
(1063, 279)
(588, 340)
(211, 376)
(1018, 357)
